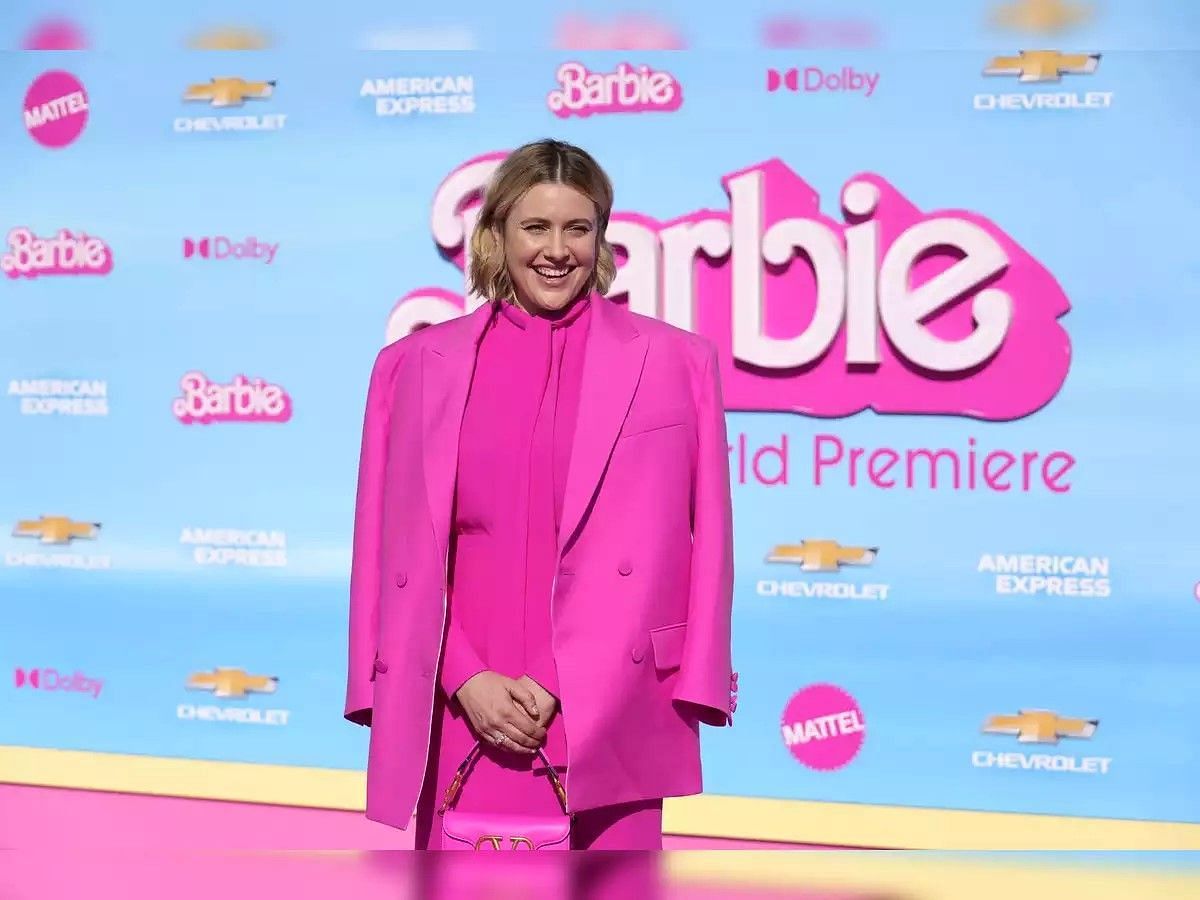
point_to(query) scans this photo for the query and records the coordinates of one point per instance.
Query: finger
(522, 715)
(491, 731)
(517, 739)
(524, 698)
(517, 721)
(504, 737)
(512, 711)
(512, 722)
(532, 730)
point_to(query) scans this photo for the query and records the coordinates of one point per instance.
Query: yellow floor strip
(883, 876)
(747, 818)
(173, 777)
(865, 825)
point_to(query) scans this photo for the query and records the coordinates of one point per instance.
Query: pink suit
(630, 594)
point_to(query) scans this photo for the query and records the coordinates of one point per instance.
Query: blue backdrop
(226, 544)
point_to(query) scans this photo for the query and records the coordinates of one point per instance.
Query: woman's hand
(496, 705)
(547, 703)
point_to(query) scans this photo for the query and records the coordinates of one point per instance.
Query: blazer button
(637, 654)
(625, 567)
(401, 579)
(380, 666)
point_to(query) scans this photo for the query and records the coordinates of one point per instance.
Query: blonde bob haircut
(541, 162)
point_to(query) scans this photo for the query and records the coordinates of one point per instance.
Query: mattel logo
(46, 679)
(225, 248)
(56, 109)
(813, 80)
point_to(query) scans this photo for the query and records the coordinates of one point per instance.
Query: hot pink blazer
(643, 592)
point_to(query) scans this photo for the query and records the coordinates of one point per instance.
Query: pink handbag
(502, 831)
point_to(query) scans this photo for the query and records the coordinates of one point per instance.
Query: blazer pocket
(639, 422)
(667, 642)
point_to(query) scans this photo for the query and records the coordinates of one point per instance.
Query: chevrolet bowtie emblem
(822, 556)
(229, 91)
(56, 529)
(227, 682)
(1043, 65)
(230, 38)
(1045, 16)
(1040, 726)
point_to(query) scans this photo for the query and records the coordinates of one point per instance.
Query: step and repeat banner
(955, 297)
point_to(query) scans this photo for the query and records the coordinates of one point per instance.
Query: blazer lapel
(446, 368)
(612, 367)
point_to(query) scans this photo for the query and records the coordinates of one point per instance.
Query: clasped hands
(520, 709)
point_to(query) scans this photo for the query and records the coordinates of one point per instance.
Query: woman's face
(550, 246)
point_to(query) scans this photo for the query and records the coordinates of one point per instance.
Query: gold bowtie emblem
(1043, 65)
(230, 682)
(56, 529)
(1040, 726)
(229, 91)
(822, 556)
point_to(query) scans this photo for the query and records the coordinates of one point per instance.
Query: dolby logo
(222, 248)
(815, 80)
(50, 679)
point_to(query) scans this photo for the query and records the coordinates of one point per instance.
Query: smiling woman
(550, 245)
(539, 240)
(542, 578)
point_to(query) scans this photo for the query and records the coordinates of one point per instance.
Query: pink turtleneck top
(514, 451)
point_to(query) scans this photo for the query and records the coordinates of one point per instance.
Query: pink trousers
(626, 826)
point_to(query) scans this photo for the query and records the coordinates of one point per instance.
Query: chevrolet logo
(1040, 726)
(56, 529)
(229, 91)
(230, 38)
(226, 682)
(822, 556)
(1041, 15)
(1043, 65)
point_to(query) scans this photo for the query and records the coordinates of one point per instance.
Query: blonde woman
(543, 536)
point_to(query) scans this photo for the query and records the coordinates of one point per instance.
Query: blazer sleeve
(705, 676)
(366, 554)
(460, 662)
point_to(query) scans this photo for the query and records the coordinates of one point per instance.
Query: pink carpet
(32, 816)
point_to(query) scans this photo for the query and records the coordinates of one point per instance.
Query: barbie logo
(243, 400)
(894, 308)
(29, 256)
(805, 31)
(627, 89)
(629, 31)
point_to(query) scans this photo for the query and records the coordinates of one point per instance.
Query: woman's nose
(557, 247)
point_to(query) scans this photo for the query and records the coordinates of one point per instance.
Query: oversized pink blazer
(643, 591)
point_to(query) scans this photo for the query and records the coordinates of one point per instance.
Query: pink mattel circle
(56, 109)
(823, 727)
